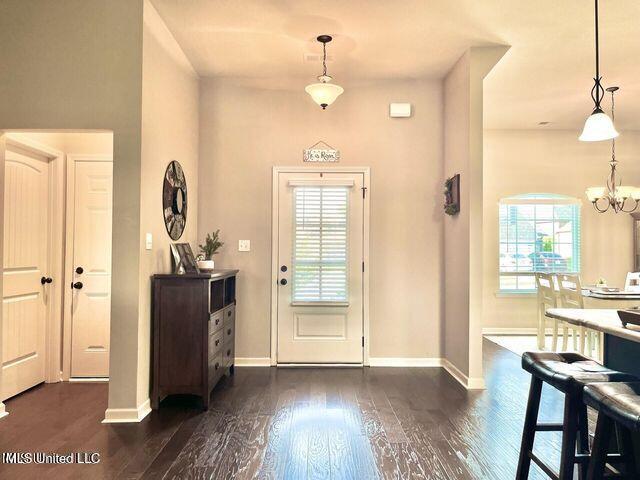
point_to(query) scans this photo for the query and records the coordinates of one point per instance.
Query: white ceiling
(546, 76)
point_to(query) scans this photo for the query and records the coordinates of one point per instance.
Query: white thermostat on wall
(399, 110)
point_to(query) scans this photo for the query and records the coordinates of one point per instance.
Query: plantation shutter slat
(320, 240)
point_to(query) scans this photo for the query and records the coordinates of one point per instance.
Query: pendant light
(598, 126)
(615, 196)
(324, 93)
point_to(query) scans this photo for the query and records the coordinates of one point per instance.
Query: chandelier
(598, 126)
(615, 196)
(324, 93)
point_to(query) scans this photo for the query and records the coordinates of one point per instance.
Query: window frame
(535, 199)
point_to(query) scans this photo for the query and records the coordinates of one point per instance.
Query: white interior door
(26, 262)
(91, 298)
(320, 258)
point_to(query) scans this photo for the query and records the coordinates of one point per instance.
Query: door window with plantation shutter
(320, 245)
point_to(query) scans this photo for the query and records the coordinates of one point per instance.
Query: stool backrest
(570, 290)
(547, 295)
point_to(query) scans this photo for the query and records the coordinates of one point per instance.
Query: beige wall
(83, 71)
(245, 131)
(554, 161)
(463, 154)
(457, 100)
(75, 142)
(169, 132)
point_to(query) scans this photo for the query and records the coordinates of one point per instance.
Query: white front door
(320, 263)
(91, 298)
(26, 263)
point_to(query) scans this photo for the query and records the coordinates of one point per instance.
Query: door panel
(91, 304)
(26, 235)
(320, 253)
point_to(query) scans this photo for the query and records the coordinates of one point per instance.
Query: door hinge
(363, 341)
(364, 191)
(362, 267)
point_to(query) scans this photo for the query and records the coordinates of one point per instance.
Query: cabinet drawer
(229, 314)
(216, 366)
(215, 343)
(228, 355)
(215, 321)
(229, 332)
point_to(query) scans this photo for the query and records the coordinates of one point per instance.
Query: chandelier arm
(597, 207)
(630, 210)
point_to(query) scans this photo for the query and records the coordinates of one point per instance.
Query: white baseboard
(3, 411)
(252, 362)
(473, 383)
(404, 362)
(127, 415)
(89, 379)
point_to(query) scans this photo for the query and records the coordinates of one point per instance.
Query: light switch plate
(244, 245)
(148, 242)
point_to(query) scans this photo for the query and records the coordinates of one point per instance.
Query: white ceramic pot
(206, 264)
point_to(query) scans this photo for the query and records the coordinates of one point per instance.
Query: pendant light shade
(598, 127)
(324, 93)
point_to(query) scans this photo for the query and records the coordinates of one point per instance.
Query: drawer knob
(228, 352)
(217, 342)
(217, 321)
(229, 313)
(217, 365)
(229, 332)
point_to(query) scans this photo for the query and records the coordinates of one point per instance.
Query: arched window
(539, 232)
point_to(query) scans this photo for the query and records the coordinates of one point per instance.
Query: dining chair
(571, 297)
(547, 298)
(632, 283)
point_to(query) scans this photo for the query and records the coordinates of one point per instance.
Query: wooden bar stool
(569, 373)
(618, 406)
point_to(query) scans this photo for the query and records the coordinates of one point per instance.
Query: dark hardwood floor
(295, 424)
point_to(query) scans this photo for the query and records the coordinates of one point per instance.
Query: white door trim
(72, 159)
(366, 172)
(56, 246)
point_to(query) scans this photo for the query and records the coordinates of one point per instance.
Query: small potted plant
(211, 246)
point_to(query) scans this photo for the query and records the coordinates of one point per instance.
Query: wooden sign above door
(321, 152)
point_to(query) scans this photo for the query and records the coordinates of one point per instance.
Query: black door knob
(283, 281)
(77, 285)
(44, 280)
(283, 268)
(79, 270)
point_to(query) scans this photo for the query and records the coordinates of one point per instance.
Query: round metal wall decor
(174, 200)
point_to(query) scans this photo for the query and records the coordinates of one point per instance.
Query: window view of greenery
(537, 237)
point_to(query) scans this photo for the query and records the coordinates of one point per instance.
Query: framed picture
(452, 195)
(183, 259)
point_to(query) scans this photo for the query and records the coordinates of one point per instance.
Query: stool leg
(625, 446)
(583, 439)
(569, 435)
(599, 451)
(554, 340)
(529, 430)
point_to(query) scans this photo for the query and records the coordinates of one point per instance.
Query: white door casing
(90, 182)
(25, 261)
(320, 292)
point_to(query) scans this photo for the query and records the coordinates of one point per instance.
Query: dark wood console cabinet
(193, 332)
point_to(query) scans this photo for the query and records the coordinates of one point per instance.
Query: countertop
(602, 320)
